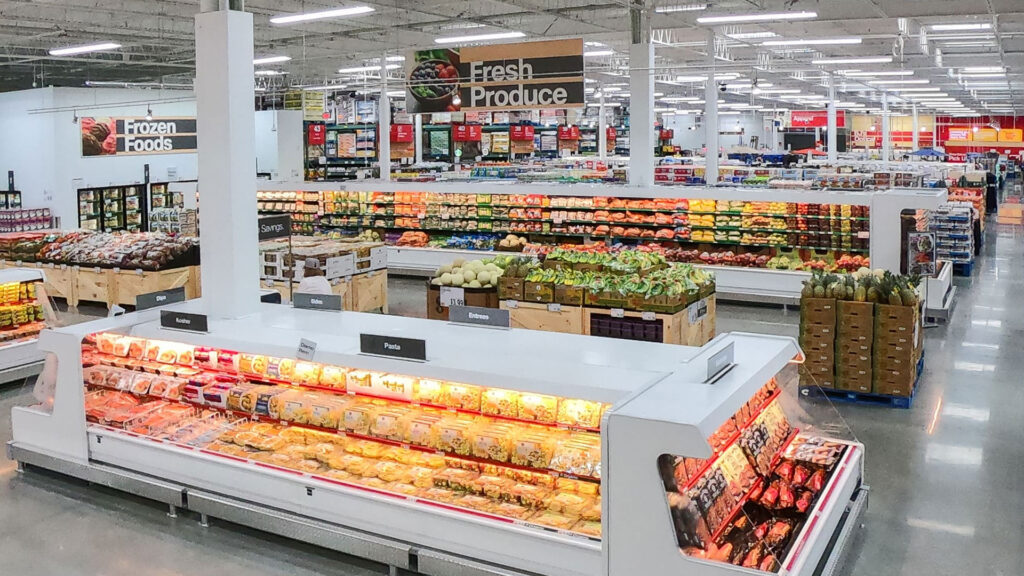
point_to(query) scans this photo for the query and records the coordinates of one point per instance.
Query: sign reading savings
(526, 76)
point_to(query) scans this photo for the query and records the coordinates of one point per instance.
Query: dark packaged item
(754, 557)
(778, 534)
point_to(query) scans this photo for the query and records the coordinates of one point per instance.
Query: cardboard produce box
(569, 295)
(817, 312)
(854, 372)
(855, 317)
(538, 292)
(894, 382)
(817, 374)
(510, 288)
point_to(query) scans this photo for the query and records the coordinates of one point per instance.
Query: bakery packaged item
(537, 408)
(498, 402)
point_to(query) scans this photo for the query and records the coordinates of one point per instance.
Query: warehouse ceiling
(158, 45)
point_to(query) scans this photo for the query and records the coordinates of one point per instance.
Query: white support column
(384, 116)
(418, 135)
(917, 129)
(227, 162)
(641, 113)
(711, 116)
(833, 132)
(886, 136)
(602, 129)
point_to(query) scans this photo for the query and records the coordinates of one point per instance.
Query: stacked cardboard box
(817, 338)
(854, 339)
(897, 349)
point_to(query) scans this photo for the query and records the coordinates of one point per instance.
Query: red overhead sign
(520, 133)
(316, 135)
(467, 132)
(568, 132)
(815, 118)
(401, 133)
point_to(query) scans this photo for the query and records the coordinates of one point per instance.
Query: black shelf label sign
(478, 316)
(330, 302)
(154, 299)
(394, 346)
(720, 363)
(184, 321)
(273, 227)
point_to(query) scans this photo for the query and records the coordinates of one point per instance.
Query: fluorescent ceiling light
(878, 82)
(930, 96)
(396, 93)
(911, 89)
(989, 88)
(727, 76)
(864, 60)
(681, 8)
(679, 99)
(881, 73)
(612, 89)
(780, 91)
(325, 87)
(949, 27)
(269, 73)
(597, 53)
(975, 43)
(763, 17)
(985, 75)
(751, 35)
(812, 42)
(970, 69)
(593, 44)
(373, 68)
(72, 50)
(395, 58)
(335, 13)
(479, 37)
(271, 60)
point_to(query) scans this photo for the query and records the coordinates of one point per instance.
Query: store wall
(279, 144)
(687, 139)
(27, 147)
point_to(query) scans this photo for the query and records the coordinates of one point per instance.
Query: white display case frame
(19, 360)
(374, 524)
(733, 283)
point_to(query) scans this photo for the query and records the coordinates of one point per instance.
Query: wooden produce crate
(536, 316)
(369, 292)
(692, 326)
(130, 283)
(58, 281)
(94, 285)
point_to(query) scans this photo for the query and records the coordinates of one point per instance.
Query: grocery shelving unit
(749, 284)
(404, 530)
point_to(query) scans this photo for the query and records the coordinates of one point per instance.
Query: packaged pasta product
(533, 449)
(402, 488)
(493, 441)
(427, 392)
(460, 480)
(236, 394)
(438, 494)
(492, 486)
(326, 411)
(462, 396)
(529, 495)
(333, 377)
(578, 455)
(454, 436)
(298, 406)
(422, 477)
(357, 418)
(554, 520)
(394, 386)
(568, 503)
(499, 402)
(580, 413)
(590, 528)
(417, 428)
(359, 381)
(510, 510)
(265, 398)
(386, 423)
(307, 373)
(538, 408)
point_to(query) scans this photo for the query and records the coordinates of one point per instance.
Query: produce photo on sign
(104, 136)
(525, 76)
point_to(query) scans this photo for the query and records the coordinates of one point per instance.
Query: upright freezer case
(495, 453)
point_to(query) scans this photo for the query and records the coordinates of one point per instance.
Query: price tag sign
(864, 234)
(719, 363)
(479, 316)
(697, 310)
(512, 304)
(154, 299)
(618, 313)
(307, 348)
(649, 316)
(393, 346)
(317, 301)
(452, 296)
(554, 307)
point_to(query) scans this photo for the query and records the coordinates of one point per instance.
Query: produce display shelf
(607, 209)
(346, 434)
(732, 440)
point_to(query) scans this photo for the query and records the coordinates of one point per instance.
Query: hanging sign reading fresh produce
(527, 76)
(134, 136)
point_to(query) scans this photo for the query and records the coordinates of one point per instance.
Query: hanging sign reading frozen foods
(134, 136)
(530, 75)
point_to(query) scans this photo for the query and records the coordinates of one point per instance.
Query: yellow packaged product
(438, 494)
(494, 487)
(307, 373)
(533, 449)
(454, 436)
(359, 381)
(568, 503)
(579, 413)
(286, 368)
(592, 511)
(422, 477)
(295, 435)
(390, 471)
(394, 386)
(387, 423)
(430, 461)
(357, 418)
(417, 427)
(461, 396)
(528, 495)
(498, 402)
(493, 441)
(554, 520)
(365, 467)
(475, 503)
(308, 465)
(588, 528)
(427, 392)
(373, 449)
(579, 456)
(538, 408)
(235, 395)
(337, 474)
(333, 377)
(510, 510)
(326, 411)
(455, 479)
(402, 488)
(375, 483)
(296, 406)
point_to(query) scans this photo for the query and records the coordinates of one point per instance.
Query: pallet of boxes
(355, 267)
(861, 336)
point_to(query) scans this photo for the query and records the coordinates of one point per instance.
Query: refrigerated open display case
(470, 458)
(21, 320)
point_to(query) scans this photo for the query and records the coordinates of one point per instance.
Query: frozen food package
(498, 402)
(581, 413)
(493, 441)
(461, 396)
(538, 408)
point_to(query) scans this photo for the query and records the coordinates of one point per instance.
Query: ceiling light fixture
(395, 59)
(149, 113)
(271, 60)
(335, 13)
(681, 8)
(269, 73)
(479, 37)
(325, 87)
(910, 89)
(812, 42)
(952, 27)
(859, 74)
(765, 17)
(72, 50)
(864, 60)
(598, 53)
(751, 35)
(880, 82)
(985, 75)
(971, 69)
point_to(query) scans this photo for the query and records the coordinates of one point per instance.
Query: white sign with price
(452, 296)
(698, 310)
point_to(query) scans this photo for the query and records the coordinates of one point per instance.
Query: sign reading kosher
(135, 136)
(526, 76)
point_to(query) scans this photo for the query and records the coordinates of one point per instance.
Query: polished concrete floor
(947, 493)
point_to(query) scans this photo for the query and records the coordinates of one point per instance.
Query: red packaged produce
(804, 503)
(762, 530)
(753, 558)
(800, 475)
(785, 470)
(787, 499)
(755, 494)
(817, 482)
(771, 496)
(721, 554)
(778, 534)
(769, 564)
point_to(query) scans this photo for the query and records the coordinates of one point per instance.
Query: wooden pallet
(849, 396)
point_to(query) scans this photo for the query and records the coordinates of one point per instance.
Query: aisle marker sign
(161, 298)
(331, 302)
(273, 227)
(393, 346)
(479, 316)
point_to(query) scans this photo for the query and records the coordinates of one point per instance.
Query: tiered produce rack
(873, 232)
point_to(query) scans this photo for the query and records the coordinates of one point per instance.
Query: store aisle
(946, 487)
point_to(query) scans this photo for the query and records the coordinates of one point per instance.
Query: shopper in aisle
(313, 281)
